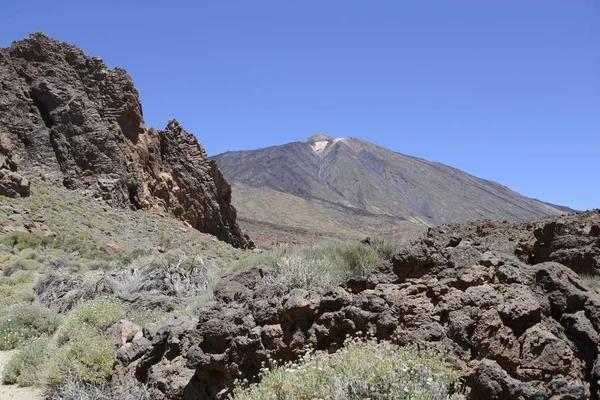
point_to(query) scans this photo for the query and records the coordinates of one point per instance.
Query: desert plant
(323, 264)
(17, 264)
(17, 278)
(142, 317)
(21, 240)
(363, 369)
(63, 291)
(74, 388)
(26, 323)
(296, 272)
(83, 347)
(170, 274)
(25, 367)
(29, 254)
(98, 314)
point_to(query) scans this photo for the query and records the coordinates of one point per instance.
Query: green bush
(5, 257)
(83, 347)
(18, 278)
(361, 370)
(26, 367)
(17, 264)
(90, 357)
(21, 240)
(98, 314)
(24, 324)
(11, 295)
(143, 317)
(29, 254)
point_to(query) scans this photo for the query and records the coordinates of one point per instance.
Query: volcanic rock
(520, 330)
(68, 117)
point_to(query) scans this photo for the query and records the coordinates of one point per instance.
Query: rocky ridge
(70, 119)
(519, 329)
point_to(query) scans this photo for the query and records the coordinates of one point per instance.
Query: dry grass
(323, 264)
(74, 388)
(591, 281)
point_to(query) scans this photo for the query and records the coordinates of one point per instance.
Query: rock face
(67, 117)
(520, 330)
(12, 184)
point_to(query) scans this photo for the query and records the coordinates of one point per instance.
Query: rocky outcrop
(519, 330)
(12, 183)
(572, 239)
(67, 117)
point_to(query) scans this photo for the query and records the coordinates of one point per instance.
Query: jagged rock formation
(522, 330)
(67, 117)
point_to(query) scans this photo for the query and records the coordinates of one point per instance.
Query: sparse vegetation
(87, 283)
(363, 369)
(591, 281)
(324, 264)
(21, 240)
(74, 388)
(88, 354)
(26, 367)
(26, 323)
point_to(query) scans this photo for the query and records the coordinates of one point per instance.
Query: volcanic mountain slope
(71, 120)
(360, 178)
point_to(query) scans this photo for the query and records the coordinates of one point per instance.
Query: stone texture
(520, 331)
(67, 117)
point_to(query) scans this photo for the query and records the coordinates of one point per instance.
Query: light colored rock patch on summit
(319, 147)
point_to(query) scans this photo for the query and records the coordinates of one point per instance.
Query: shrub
(144, 317)
(63, 291)
(84, 349)
(26, 323)
(11, 295)
(134, 254)
(323, 264)
(5, 257)
(98, 314)
(201, 300)
(21, 240)
(296, 272)
(25, 367)
(17, 278)
(90, 357)
(18, 264)
(361, 370)
(29, 254)
(170, 274)
(73, 388)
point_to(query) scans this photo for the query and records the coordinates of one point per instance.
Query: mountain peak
(319, 137)
(360, 177)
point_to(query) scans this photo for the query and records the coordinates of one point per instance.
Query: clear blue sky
(507, 90)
